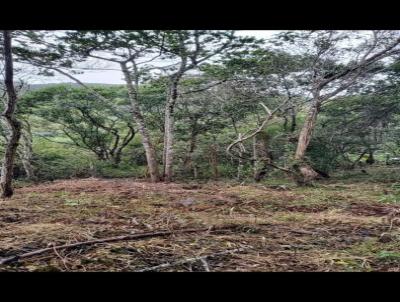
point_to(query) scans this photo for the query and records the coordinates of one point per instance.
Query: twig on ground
(191, 260)
(63, 259)
(205, 264)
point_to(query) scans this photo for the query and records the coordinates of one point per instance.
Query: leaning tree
(333, 62)
(337, 60)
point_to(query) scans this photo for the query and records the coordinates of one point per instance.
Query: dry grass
(334, 227)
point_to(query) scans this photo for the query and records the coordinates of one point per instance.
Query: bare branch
(270, 116)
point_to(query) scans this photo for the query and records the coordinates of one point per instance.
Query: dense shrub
(57, 161)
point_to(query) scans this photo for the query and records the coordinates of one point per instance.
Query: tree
(13, 125)
(186, 49)
(103, 128)
(123, 49)
(197, 115)
(24, 150)
(265, 79)
(138, 54)
(334, 68)
(191, 48)
(368, 121)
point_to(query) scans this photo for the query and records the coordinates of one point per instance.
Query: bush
(124, 170)
(58, 161)
(322, 156)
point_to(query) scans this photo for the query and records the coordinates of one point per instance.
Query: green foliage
(374, 174)
(56, 161)
(124, 170)
(96, 121)
(221, 80)
(322, 156)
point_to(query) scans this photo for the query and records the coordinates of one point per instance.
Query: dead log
(10, 259)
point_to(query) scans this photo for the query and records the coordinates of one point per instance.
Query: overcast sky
(115, 77)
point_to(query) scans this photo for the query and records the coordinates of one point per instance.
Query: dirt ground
(331, 227)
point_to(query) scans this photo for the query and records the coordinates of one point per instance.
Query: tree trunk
(214, 160)
(116, 159)
(168, 154)
(8, 114)
(188, 165)
(240, 166)
(358, 159)
(25, 151)
(261, 156)
(169, 125)
(305, 172)
(239, 175)
(293, 119)
(370, 160)
(255, 157)
(151, 158)
(285, 123)
(28, 168)
(195, 172)
(100, 156)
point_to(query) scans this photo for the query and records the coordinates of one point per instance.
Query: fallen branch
(195, 259)
(110, 239)
(280, 168)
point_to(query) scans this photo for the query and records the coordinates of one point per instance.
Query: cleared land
(332, 227)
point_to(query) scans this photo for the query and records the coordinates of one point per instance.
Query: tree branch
(270, 115)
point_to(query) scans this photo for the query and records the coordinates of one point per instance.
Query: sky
(115, 77)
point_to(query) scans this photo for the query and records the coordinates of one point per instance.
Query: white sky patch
(115, 76)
